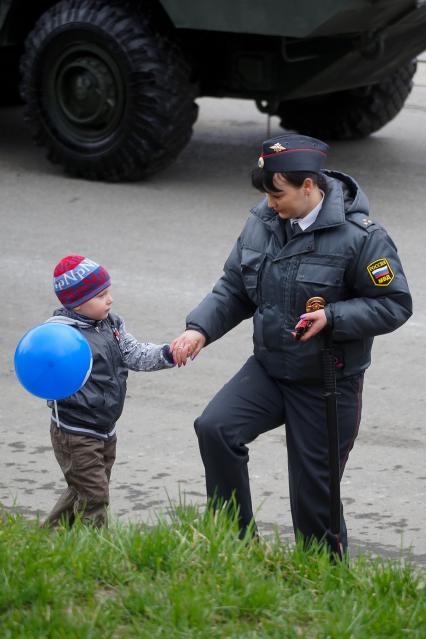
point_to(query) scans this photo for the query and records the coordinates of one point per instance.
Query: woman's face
(290, 201)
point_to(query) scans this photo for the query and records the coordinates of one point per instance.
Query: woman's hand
(189, 344)
(318, 321)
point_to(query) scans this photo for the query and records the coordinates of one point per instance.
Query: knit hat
(76, 279)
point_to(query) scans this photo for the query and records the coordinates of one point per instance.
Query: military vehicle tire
(108, 96)
(351, 114)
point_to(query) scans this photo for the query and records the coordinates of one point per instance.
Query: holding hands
(189, 344)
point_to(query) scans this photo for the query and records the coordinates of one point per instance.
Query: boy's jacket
(96, 407)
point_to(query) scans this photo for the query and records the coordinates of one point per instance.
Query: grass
(190, 577)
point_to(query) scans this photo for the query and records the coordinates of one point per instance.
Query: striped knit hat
(77, 279)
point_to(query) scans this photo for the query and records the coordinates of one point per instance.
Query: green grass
(191, 577)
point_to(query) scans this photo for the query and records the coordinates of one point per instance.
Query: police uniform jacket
(344, 257)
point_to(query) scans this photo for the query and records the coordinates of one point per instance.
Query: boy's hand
(189, 344)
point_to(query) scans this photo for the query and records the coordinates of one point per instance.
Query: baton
(330, 396)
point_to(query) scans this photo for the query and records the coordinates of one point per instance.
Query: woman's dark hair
(263, 180)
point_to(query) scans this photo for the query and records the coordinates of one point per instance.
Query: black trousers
(252, 403)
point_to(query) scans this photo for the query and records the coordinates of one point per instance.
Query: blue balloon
(53, 360)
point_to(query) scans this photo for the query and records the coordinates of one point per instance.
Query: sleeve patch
(380, 272)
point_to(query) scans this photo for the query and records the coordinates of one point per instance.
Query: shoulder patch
(380, 272)
(363, 221)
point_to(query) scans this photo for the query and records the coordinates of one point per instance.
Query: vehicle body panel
(290, 18)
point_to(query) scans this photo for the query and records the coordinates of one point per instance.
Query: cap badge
(261, 162)
(278, 147)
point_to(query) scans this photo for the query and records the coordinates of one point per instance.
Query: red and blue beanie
(76, 279)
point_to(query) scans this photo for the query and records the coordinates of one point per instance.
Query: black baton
(330, 395)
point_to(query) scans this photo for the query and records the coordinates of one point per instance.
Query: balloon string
(56, 412)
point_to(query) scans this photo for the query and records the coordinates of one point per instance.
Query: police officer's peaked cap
(293, 152)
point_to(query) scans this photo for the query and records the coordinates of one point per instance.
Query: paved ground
(164, 243)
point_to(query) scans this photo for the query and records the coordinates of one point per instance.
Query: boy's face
(98, 307)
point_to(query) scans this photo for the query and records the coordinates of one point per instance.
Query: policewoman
(311, 236)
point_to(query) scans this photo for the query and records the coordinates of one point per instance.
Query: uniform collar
(343, 194)
(310, 218)
(332, 211)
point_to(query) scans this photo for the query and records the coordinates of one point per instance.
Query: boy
(84, 435)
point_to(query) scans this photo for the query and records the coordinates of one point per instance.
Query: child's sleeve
(143, 356)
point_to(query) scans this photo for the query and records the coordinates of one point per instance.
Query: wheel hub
(86, 91)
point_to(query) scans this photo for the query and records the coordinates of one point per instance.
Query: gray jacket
(344, 257)
(96, 407)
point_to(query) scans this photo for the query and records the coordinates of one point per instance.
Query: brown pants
(86, 463)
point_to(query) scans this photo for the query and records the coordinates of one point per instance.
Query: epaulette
(361, 220)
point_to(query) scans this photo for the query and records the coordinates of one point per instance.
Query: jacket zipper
(290, 288)
(259, 279)
(97, 329)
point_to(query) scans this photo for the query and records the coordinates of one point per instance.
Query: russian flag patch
(380, 272)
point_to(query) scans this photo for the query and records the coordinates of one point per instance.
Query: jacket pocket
(321, 280)
(251, 267)
(320, 274)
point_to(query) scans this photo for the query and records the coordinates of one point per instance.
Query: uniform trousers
(86, 463)
(253, 402)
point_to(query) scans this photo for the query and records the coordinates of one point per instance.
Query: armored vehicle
(109, 86)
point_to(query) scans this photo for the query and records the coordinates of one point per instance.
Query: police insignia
(277, 148)
(380, 272)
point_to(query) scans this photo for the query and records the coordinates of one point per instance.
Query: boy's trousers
(86, 463)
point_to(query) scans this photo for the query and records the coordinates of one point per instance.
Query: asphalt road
(164, 242)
